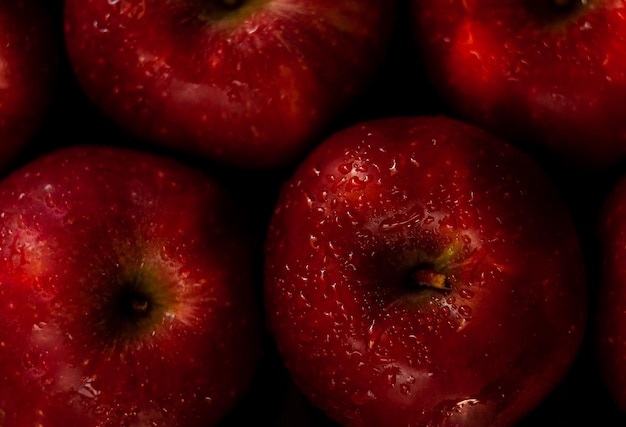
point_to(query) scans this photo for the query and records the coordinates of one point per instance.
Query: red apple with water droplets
(549, 75)
(251, 83)
(420, 271)
(126, 293)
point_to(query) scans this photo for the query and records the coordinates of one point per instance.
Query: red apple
(29, 60)
(420, 271)
(125, 293)
(252, 83)
(611, 305)
(549, 75)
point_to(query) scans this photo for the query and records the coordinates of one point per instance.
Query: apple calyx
(135, 308)
(134, 304)
(558, 12)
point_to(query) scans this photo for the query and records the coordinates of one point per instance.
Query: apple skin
(548, 79)
(359, 234)
(29, 62)
(254, 88)
(126, 293)
(611, 305)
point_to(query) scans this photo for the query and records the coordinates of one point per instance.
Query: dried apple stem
(426, 277)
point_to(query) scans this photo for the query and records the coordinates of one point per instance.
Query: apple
(29, 60)
(250, 83)
(547, 75)
(421, 271)
(611, 304)
(126, 292)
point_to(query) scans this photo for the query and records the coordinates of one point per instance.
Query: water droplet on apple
(50, 202)
(360, 397)
(376, 333)
(47, 380)
(356, 183)
(303, 301)
(402, 220)
(165, 256)
(100, 27)
(314, 242)
(464, 404)
(56, 303)
(345, 168)
(466, 293)
(333, 249)
(465, 311)
(27, 360)
(87, 389)
(405, 389)
(69, 219)
(252, 29)
(391, 375)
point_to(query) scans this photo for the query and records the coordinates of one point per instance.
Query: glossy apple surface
(125, 292)
(547, 74)
(252, 83)
(29, 60)
(420, 271)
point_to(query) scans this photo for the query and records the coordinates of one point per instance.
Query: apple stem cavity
(229, 10)
(557, 13)
(231, 4)
(134, 304)
(140, 306)
(569, 5)
(130, 313)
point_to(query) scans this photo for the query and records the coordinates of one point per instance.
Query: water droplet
(87, 389)
(303, 301)
(69, 219)
(374, 333)
(401, 220)
(465, 311)
(466, 293)
(252, 29)
(100, 27)
(405, 389)
(56, 303)
(462, 404)
(356, 183)
(165, 256)
(361, 397)
(390, 376)
(345, 168)
(50, 202)
(27, 360)
(47, 380)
